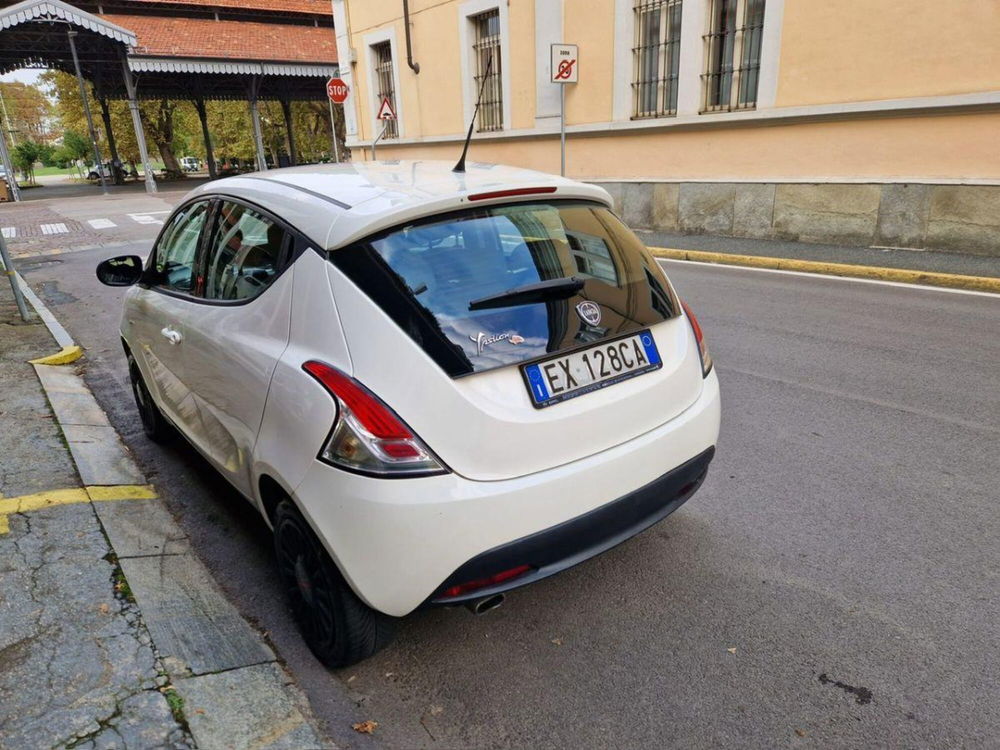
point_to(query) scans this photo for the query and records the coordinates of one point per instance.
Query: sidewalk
(112, 633)
(809, 257)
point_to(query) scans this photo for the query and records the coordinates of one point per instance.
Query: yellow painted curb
(74, 495)
(905, 276)
(63, 357)
(121, 492)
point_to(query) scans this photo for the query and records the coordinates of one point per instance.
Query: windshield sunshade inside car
(490, 287)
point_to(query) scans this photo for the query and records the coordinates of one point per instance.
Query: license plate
(570, 375)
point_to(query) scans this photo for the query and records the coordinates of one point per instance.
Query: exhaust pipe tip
(484, 605)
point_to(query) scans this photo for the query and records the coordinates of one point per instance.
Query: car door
(156, 316)
(232, 345)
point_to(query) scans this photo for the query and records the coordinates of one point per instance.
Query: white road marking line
(59, 228)
(146, 218)
(902, 285)
(101, 223)
(9, 233)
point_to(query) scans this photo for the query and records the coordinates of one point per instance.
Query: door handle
(174, 337)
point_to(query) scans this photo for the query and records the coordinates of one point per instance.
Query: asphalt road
(835, 582)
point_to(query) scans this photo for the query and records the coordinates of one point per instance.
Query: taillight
(367, 436)
(706, 358)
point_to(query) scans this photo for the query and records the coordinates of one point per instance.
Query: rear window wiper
(540, 291)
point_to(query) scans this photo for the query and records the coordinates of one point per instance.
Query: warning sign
(385, 111)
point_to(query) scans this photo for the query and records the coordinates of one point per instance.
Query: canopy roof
(176, 57)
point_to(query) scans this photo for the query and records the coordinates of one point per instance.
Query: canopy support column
(99, 167)
(112, 146)
(286, 110)
(140, 135)
(8, 165)
(199, 105)
(258, 138)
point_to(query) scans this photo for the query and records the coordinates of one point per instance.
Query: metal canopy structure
(197, 50)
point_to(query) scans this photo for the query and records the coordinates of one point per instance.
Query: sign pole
(333, 130)
(563, 70)
(562, 130)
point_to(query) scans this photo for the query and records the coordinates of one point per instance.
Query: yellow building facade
(873, 122)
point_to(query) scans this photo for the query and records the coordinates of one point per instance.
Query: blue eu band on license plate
(586, 370)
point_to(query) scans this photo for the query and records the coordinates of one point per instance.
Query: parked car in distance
(434, 386)
(190, 163)
(101, 170)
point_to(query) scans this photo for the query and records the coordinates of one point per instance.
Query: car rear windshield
(500, 285)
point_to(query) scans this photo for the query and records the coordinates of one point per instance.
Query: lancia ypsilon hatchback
(435, 386)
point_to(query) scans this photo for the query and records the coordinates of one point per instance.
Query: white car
(434, 386)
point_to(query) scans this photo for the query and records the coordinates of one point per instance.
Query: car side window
(244, 254)
(178, 248)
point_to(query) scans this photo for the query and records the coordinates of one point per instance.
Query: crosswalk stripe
(59, 228)
(145, 219)
(101, 223)
(9, 233)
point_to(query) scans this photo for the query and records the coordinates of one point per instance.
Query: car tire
(154, 424)
(339, 628)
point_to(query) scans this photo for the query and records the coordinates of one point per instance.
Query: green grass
(46, 171)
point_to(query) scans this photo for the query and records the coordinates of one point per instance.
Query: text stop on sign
(337, 90)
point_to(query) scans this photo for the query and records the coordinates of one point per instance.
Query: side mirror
(125, 270)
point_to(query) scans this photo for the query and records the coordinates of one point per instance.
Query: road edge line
(878, 273)
(60, 334)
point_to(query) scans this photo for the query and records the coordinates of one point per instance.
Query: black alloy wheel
(339, 628)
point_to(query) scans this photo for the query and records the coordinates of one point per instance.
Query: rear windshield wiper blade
(540, 291)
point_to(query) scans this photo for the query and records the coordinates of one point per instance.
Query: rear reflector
(481, 583)
(510, 193)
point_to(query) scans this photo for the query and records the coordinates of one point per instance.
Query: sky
(29, 76)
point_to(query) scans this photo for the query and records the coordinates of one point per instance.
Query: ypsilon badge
(589, 312)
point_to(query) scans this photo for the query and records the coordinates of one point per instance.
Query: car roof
(338, 204)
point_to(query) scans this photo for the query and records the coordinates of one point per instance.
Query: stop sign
(337, 90)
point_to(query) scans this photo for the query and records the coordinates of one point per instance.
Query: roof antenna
(460, 167)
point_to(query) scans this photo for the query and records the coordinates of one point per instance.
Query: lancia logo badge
(589, 312)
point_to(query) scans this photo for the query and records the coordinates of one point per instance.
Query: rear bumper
(398, 541)
(571, 542)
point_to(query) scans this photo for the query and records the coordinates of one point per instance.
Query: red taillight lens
(481, 583)
(367, 435)
(699, 337)
(372, 414)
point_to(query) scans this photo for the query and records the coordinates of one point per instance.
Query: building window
(485, 48)
(384, 87)
(655, 57)
(733, 52)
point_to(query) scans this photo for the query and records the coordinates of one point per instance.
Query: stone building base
(953, 218)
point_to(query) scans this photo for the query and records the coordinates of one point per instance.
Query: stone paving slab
(246, 708)
(72, 654)
(140, 528)
(99, 455)
(193, 625)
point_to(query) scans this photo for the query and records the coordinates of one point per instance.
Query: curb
(210, 653)
(900, 275)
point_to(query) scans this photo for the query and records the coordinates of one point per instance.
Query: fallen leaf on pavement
(365, 727)
(731, 650)
(800, 732)
(104, 608)
(557, 641)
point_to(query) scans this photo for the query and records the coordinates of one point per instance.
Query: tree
(24, 156)
(28, 111)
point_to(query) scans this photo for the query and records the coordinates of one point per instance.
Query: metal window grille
(487, 46)
(732, 48)
(384, 84)
(656, 57)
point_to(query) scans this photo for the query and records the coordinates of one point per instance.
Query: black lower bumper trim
(559, 547)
